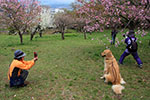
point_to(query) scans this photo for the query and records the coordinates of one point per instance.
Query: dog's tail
(118, 88)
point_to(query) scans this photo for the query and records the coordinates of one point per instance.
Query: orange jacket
(25, 65)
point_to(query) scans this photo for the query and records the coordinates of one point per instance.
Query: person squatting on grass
(131, 48)
(18, 73)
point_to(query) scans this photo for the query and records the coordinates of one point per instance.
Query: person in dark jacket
(18, 73)
(113, 36)
(129, 39)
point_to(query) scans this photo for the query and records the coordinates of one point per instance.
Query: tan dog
(112, 72)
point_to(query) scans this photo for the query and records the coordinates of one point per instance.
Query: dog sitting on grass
(112, 72)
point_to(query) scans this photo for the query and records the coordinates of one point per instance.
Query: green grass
(70, 69)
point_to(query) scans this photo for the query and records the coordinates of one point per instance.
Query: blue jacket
(128, 41)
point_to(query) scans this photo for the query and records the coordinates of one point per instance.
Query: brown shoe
(26, 82)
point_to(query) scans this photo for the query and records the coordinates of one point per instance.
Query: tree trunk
(31, 38)
(131, 25)
(32, 35)
(21, 38)
(85, 35)
(40, 33)
(62, 35)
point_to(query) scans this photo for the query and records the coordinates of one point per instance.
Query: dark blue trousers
(19, 80)
(134, 54)
(113, 39)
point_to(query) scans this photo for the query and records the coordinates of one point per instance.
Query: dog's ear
(109, 54)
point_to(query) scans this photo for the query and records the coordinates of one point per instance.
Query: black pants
(113, 39)
(19, 80)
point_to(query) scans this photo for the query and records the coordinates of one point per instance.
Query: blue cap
(19, 54)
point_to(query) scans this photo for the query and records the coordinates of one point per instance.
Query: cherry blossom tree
(128, 13)
(21, 15)
(62, 21)
(86, 16)
(80, 24)
(46, 21)
(47, 18)
(131, 13)
(93, 13)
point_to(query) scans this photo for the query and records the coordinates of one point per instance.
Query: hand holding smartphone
(35, 56)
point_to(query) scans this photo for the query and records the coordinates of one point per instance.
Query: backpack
(133, 46)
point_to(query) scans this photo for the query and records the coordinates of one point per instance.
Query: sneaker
(140, 66)
(120, 63)
(22, 85)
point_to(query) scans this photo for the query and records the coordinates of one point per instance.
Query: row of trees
(96, 15)
(28, 16)
(129, 14)
(87, 16)
(111, 13)
(19, 15)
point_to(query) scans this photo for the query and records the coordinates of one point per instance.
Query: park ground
(70, 69)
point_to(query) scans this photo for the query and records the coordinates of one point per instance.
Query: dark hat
(19, 54)
(131, 31)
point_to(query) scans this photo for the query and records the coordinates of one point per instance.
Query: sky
(56, 3)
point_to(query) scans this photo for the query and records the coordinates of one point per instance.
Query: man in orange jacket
(18, 73)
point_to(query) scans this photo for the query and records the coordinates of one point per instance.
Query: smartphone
(35, 54)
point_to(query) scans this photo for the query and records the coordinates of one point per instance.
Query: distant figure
(18, 73)
(131, 48)
(113, 35)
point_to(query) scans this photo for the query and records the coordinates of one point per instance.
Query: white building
(57, 10)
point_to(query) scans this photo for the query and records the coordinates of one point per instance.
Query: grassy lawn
(70, 69)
